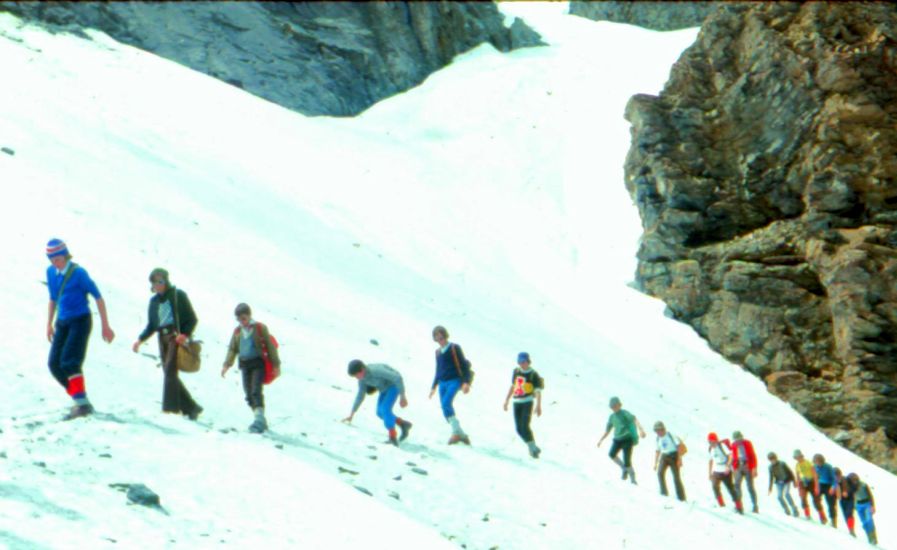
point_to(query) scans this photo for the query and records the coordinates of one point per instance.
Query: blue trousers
(447, 391)
(385, 403)
(69, 348)
(864, 510)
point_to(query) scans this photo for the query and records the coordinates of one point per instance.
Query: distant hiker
(744, 464)
(667, 456)
(69, 284)
(171, 315)
(827, 486)
(626, 430)
(847, 499)
(807, 484)
(782, 476)
(865, 506)
(452, 374)
(719, 470)
(386, 380)
(526, 387)
(252, 343)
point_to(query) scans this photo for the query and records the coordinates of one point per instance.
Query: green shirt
(623, 423)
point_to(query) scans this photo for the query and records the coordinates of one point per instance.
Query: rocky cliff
(765, 174)
(318, 58)
(658, 16)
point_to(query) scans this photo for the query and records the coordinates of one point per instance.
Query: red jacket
(750, 459)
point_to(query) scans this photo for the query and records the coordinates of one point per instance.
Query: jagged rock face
(318, 58)
(658, 16)
(765, 174)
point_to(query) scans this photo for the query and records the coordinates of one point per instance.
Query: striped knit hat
(56, 247)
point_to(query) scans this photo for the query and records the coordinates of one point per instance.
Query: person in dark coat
(171, 316)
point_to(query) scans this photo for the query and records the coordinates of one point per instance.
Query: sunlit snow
(489, 199)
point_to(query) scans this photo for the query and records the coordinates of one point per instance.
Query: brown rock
(765, 174)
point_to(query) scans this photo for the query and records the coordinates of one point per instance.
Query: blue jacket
(826, 474)
(446, 369)
(73, 302)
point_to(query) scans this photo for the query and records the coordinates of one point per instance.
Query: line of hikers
(171, 316)
(734, 463)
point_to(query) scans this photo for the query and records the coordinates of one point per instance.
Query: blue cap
(56, 247)
(523, 356)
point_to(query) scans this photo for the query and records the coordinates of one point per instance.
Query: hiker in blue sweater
(69, 284)
(828, 487)
(452, 374)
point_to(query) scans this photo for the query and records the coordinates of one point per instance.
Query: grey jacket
(379, 376)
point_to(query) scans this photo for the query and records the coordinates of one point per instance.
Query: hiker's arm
(508, 397)
(538, 402)
(108, 333)
(51, 311)
(603, 437)
(638, 425)
(150, 328)
(232, 351)
(656, 458)
(359, 397)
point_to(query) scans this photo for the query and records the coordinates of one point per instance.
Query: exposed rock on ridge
(765, 174)
(318, 58)
(658, 16)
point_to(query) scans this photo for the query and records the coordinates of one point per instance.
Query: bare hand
(753, 473)
(348, 419)
(108, 334)
(276, 372)
(432, 392)
(403, 402)
(224, 369)
(136, 346)
(180, 339)
(465, 388)
(50, 333)
(538, 410)
(505, 406)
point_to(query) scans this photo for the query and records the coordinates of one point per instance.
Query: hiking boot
(625, 474)
(755, 510)
(194, 414)
(465, 440)
(405, 428)
(392, 441)
(632, 476)
(258, 426)
(456, 438)
(78, 411)
(534, 451)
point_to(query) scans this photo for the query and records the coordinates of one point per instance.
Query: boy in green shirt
(626, 430)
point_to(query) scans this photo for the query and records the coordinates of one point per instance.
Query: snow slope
(489, 199)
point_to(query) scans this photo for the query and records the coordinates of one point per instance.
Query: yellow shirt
(804, 469)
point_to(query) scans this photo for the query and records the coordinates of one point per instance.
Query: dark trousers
(725, 479)
(69, 348)
(253, 381)
(624, 445)
(670, 461)
(825, 492)
(523, 414)
(175, 397)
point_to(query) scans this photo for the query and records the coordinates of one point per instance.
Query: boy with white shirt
(667, 456)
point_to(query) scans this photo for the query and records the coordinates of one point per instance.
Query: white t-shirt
(720, 459)
(668, 444)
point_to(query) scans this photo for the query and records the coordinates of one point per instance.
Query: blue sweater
(73, 302)
(446, 369)
(826, 474)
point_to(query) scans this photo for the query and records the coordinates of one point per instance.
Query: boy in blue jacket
(69, 284)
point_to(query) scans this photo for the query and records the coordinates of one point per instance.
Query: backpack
(458, 366)
(270, 375)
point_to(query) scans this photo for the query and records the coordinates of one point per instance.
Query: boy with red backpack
(744, 463)
(259, 362)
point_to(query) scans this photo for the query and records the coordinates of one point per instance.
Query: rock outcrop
(765, 174)
(318, 58)
(658, 16)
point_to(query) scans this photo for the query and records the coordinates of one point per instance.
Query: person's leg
(786, 489)
(677, 477)
(615, 449)
(749, 477)
(780, 495)
(523, 413)
(175, 397)
(847, 513)
(53, 361)
(727, 481)
(628, 444)
(246, 375)
(738, 475)
(831, 505)
(385, 403)
(662, 473)
(716, 479)
(864, 510)
(803, 490)
(254, 380)
(817, 503)
(74, 350)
